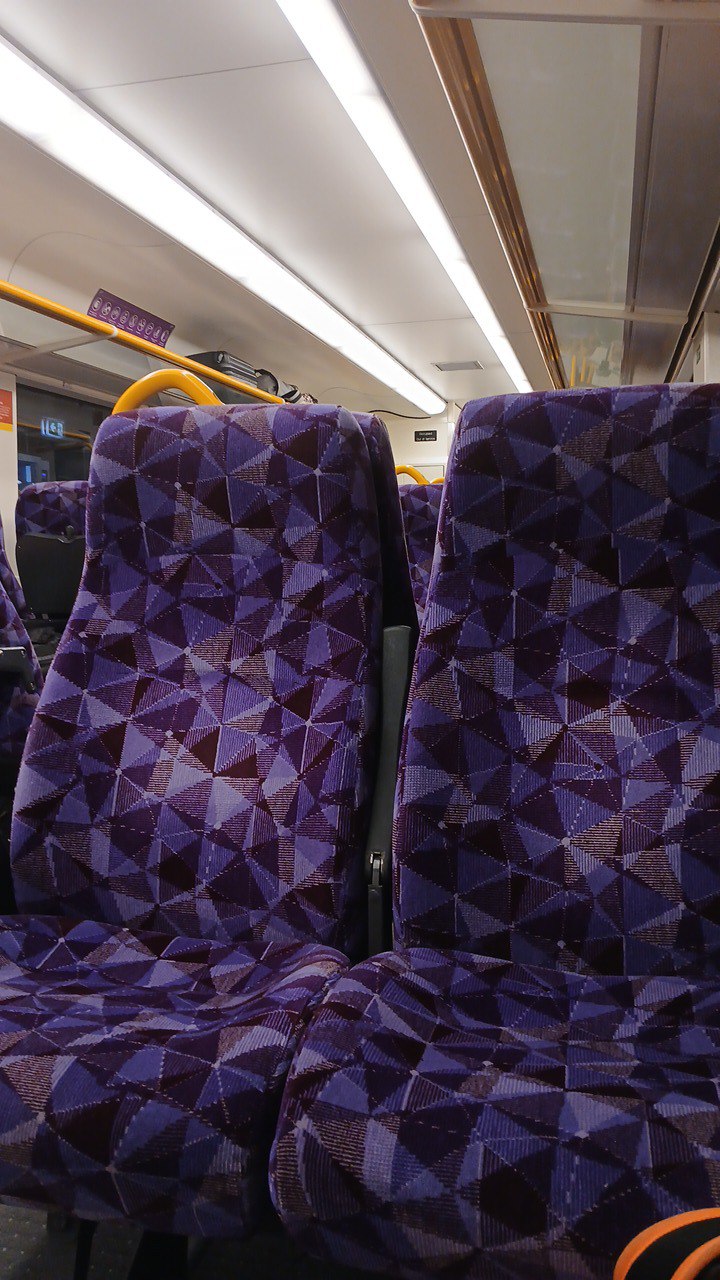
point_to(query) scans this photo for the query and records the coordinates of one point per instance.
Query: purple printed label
(125, 315)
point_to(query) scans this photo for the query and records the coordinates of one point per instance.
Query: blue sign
(52, 427)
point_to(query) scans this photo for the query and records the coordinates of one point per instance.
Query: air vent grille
(458, 366)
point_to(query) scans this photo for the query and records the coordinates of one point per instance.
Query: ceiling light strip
(322, 30)
(35, 106)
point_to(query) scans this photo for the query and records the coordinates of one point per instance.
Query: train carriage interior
(360, 639)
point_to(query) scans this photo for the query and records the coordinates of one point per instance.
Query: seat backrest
(18, 703)
(202, 755)
(398, 603)
(9, 582)
(420, 511)
(52, 506)
(559, 794)
(50, 568)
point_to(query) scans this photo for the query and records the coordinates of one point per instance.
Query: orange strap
(698, 1260)
(645, 1239)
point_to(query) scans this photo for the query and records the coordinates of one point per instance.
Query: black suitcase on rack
(234, 367)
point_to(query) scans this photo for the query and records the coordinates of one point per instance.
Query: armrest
(397, 660)
(14, 661)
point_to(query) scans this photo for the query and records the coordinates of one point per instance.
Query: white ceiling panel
(433, 341)
(224, 95)
(298, 178)
(88, 43)
(28, 216)
(396, 49)
(81, 240)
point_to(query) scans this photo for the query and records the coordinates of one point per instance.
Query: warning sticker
(6, 410)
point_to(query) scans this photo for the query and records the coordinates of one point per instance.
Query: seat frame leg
(83, 1249)
(160, 1256)
(58, 1220)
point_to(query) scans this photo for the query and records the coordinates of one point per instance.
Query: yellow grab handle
(413, 472)
(440, 480)
(165, 380)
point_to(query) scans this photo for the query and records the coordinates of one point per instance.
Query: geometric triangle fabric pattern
(531, 1077)
(52, 506)
(17, 705)
(192, 807)
(141, 1075)
(201, 759)
(421, 510)
(559, 793)
(9, 582)
(398, 601)
(452, 1114)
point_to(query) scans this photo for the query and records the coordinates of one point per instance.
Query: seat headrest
(574, 470)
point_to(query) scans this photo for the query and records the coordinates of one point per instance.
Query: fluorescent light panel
(36, 107)
(329, 43)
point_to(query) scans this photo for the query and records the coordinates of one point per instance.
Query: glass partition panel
(591, 350)
(566, 95)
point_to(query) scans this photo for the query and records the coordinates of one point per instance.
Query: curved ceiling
(236, 109)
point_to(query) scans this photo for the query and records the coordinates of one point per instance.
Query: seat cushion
(140, 1076)
(447, 1111)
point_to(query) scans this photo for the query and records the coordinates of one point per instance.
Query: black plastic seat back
(50, 569)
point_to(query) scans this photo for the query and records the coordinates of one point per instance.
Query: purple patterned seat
(195, 787)
(420, 509)
(398, 600)
(9, 582)
(17, 703)
(52, 506)
(533, 1075)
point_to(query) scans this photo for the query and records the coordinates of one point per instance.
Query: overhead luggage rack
(98, 331)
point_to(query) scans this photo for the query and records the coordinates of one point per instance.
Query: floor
(29, 1252)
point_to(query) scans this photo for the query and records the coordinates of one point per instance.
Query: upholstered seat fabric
(195, 789)
(398, 592)
(52, 506)
(17, 704)
(450, 1113)
(202, 757)
(533, 1076)
(9, 582)
(140, 1075)
(559, 797)
(421, 511)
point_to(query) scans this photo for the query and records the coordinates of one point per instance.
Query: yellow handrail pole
(68, 435)
(413, 472)
(165, 380)
(440, 480)
(45, 307)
